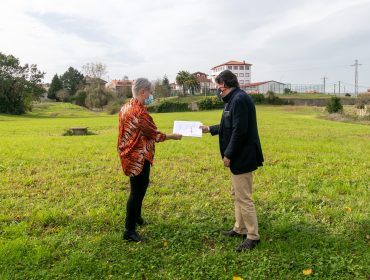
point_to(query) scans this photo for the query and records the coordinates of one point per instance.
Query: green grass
(63, 200)
(58, 109)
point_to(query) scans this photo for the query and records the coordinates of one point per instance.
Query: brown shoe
(232, 233)
(247, 245)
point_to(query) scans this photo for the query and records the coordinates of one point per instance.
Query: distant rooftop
(232, 62)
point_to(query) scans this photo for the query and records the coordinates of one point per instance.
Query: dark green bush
(258, 98)
(169, 106)
(271, 98)
(79, 98)
(334, 105)
(209, 103)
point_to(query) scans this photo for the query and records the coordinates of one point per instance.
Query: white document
(186, 128)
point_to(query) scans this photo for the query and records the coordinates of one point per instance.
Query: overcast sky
(297, 41)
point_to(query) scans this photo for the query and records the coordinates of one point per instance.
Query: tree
(72, 80)
(181, 79)
(55, 86)
(127, 92)
(19, 85)
(79, 98)
(63, 95)
(166, 85)
(192, 84)
(95, 70)
(162, 87)
(157, 85)
(187, 81)
(97, 97)
(334, 105)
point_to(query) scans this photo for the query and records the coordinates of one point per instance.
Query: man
(136, 138)
(241, 151)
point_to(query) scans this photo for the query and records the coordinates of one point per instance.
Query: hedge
(169, 106)
(209, 103)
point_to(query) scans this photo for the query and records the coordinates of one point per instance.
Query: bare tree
(95, 70)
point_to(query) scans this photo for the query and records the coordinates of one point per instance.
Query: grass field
(63, 200)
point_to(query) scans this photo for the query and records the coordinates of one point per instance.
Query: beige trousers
(245, 212)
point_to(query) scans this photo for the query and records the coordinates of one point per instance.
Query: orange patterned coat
(136, 137)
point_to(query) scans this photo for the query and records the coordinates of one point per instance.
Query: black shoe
(141, 222)
(247, 245)
(132, 236)
(232, 233)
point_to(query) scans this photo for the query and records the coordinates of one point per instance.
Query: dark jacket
(238, 133)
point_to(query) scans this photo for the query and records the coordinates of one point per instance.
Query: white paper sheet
(187, 128)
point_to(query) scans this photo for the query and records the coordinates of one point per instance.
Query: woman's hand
(173, 136)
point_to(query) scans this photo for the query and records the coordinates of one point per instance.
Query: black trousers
(138, 185)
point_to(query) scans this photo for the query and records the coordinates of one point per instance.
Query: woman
(137, 135)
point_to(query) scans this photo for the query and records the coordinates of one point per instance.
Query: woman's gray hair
(139, 84)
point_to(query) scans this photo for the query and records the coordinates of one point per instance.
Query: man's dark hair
(228, 78)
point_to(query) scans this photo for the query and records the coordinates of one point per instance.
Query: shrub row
(169, 106)
(269, 98)
(258, 98)
(209, 103)
(213, 102)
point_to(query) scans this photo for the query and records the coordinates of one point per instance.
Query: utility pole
(356, 65)
(339, 87)
(324, 78)
(334, 88)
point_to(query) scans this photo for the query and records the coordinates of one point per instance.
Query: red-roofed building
(121, 87)
(241, 69)
(204, 82)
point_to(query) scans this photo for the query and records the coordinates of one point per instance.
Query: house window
(246, 67)
(241, 67)
(235, 67)
(241, 81)
(241, 75)
(247, 74)
(229, 67)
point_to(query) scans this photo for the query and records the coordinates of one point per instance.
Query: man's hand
(205, 129)
(226, 162)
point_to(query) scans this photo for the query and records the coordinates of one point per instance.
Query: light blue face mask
(149, 100)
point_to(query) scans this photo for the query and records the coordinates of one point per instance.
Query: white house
(263, 87)
(241, 69)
